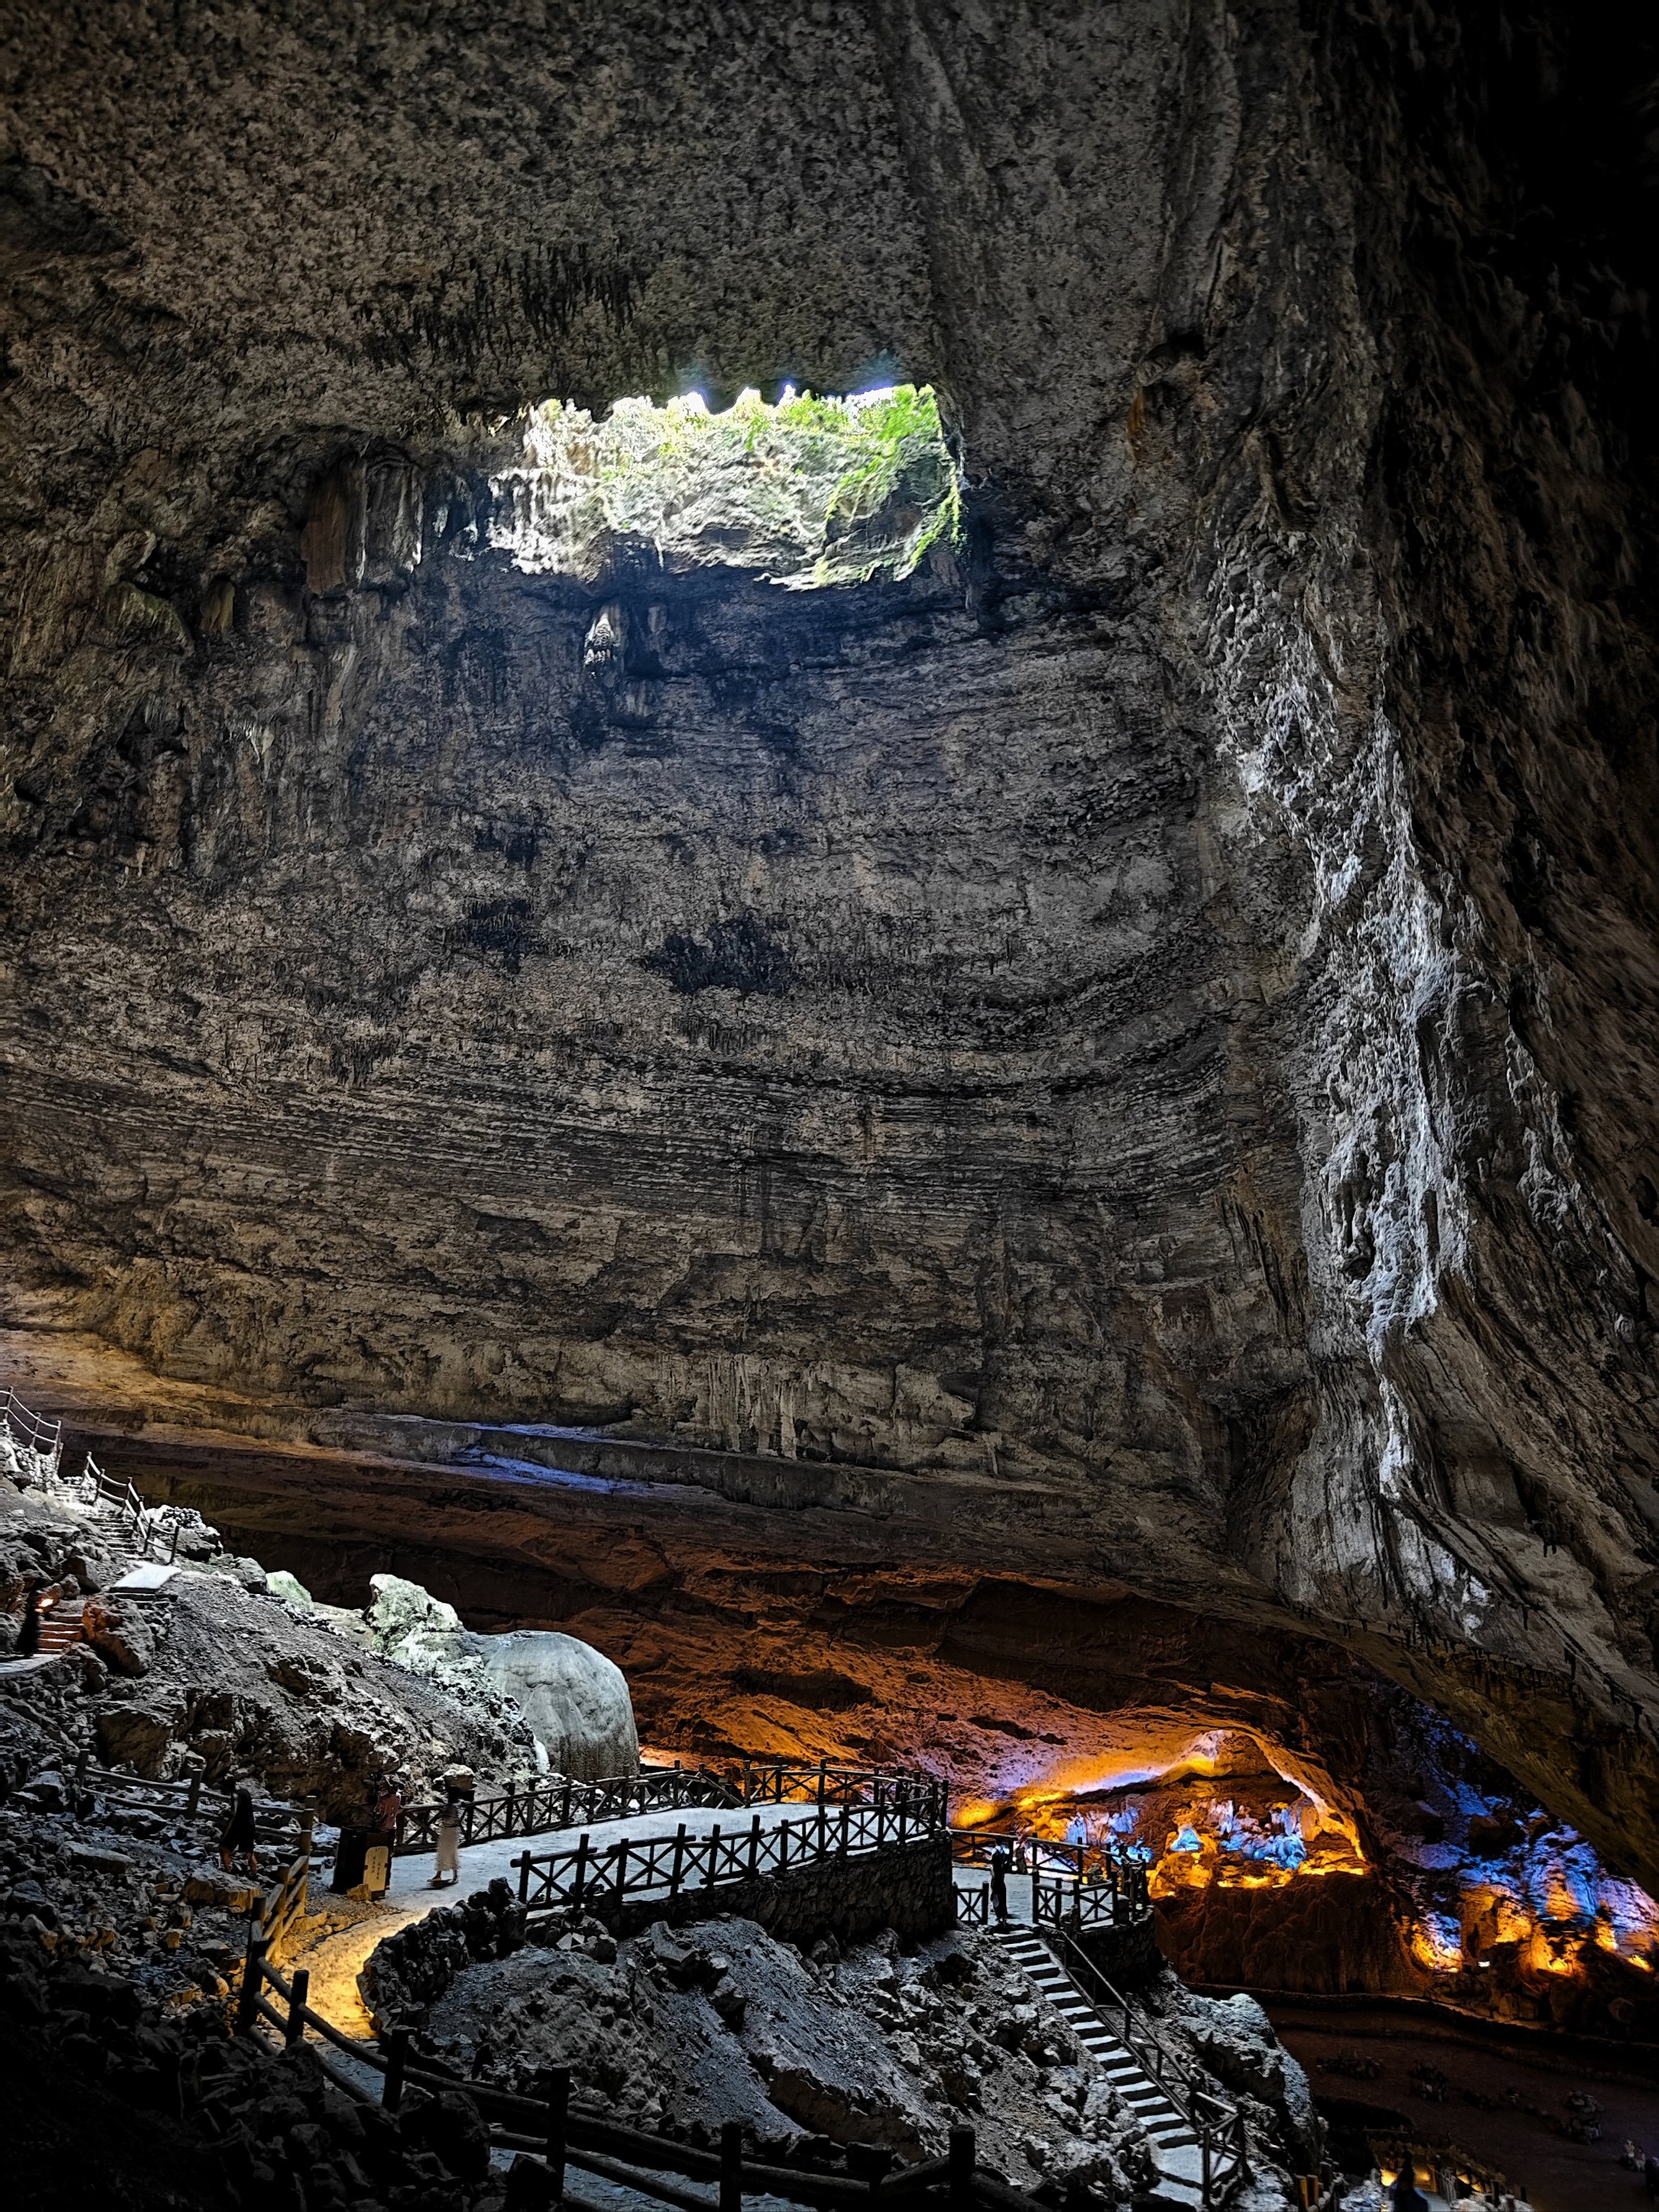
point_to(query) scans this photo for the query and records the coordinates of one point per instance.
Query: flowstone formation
(1120, 1058)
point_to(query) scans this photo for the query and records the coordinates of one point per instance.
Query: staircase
(1175, 2146)
(60, 1627)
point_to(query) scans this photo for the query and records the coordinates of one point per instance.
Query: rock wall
(906, 1888)
(1127, 1055)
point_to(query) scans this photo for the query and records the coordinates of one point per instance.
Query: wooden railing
(274, 1821)
(777, 1782)
(668, 1865)
(284, 1910)
(544, 1807)
(1218, 2125)
(1093, 1864)
(536, 1808)
(565, 2132)
(1084, 1887)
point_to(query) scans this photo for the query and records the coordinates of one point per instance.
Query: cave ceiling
(1124, 1058)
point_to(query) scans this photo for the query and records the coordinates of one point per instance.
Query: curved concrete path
(335, 1963)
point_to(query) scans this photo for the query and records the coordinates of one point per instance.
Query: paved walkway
(1019, 1890)
(336, 1962)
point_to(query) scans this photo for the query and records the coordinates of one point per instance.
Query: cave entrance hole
(811, 491)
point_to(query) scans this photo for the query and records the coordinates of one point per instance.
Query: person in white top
(448, 1867)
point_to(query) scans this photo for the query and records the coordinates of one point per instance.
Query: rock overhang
(1326, 1289)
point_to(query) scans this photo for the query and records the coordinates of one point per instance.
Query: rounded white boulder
(575, 1701)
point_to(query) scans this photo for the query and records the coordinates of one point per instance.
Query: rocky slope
(1126, 1054)
(877, 2051)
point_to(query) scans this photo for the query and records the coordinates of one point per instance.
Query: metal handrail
(1218, 2126)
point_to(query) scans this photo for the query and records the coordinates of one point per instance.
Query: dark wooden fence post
(510, 1818)
(558, 2108)
(959, 2169)
(299, 1984)
(622, 1875)
(731, 2165)
(714, 1855)
(582, 1869)
(824, 1778)
(846, 1818)
(253, 1970)
(754, 1846)
(678, 1868)
(396, 2063)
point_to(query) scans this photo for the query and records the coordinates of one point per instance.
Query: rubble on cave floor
(876, 2050)
(218, 1677)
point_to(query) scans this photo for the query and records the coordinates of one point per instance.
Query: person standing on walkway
(238, 1840)
(1000, 1883)
(386, 1810)
(28, 1633)
(448, 1867)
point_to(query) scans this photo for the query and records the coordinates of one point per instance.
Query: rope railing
(30, 1432)
(553, 1880)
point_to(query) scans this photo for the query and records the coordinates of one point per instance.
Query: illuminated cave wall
(1344, 1840)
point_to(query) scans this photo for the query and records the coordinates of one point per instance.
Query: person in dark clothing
(999, 1882)
(28, 1633)
(1408, 2197)
(238, 1842)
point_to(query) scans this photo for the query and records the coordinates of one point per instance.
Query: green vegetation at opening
(813, 491)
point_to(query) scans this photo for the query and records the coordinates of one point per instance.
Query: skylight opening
(811, 491)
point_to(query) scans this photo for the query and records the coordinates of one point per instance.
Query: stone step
(1173, 2144)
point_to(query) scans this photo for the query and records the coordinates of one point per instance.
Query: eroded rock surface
(1130, 1054)
(219, 1679)
(572, 1700)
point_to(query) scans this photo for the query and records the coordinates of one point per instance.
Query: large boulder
(575, 1701)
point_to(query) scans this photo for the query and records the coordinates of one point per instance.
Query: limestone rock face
(575, 1699)
(1128, 1057)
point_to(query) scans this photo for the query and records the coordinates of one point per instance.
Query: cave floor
(1561, 2175)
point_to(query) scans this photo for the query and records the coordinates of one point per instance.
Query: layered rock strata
(1128, 1051)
